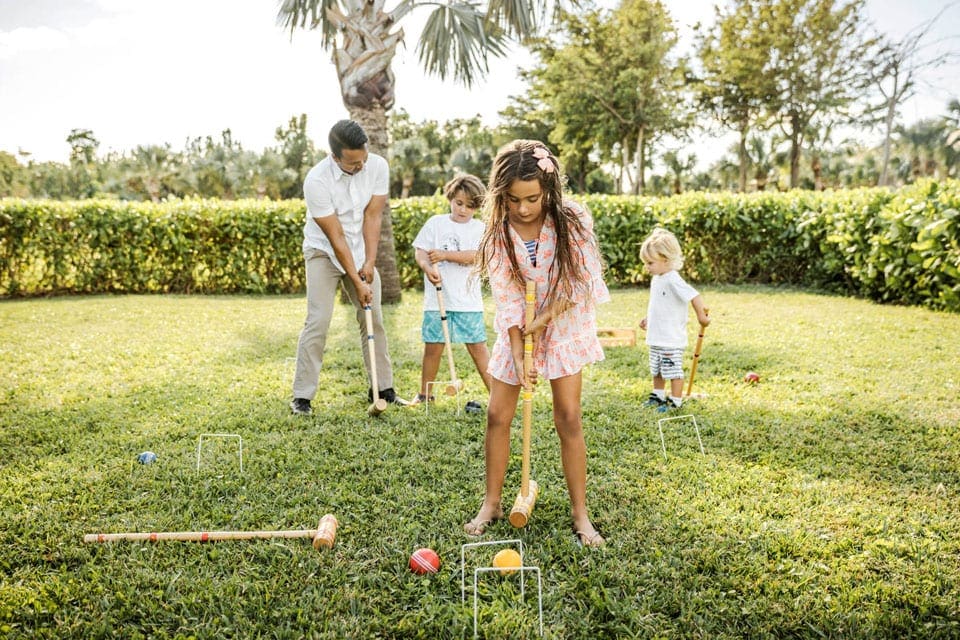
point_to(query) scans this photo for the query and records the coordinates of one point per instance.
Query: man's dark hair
(346, 134)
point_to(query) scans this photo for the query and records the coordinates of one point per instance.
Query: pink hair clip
(543, 159)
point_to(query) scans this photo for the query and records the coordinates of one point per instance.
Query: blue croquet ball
(147, 457)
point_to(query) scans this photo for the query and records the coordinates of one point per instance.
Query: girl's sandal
(477, 527)
(594, 540)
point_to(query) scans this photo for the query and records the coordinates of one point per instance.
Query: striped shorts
(465, 326)
(666, 362)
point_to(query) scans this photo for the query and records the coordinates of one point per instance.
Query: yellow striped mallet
(456, 384)
(379, 405)
(529, 489)
(696, 354)
(324, 536)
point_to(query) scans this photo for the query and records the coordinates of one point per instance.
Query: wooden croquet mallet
(696, 354)
(379, 405)
(456, 384)
(323, 536)
(527, 498)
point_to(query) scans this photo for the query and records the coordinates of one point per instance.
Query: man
(345, 193)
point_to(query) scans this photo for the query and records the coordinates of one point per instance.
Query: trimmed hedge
(899, 247)
(184, 246)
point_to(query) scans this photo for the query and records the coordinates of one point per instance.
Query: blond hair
(472, 187)
(662, 245)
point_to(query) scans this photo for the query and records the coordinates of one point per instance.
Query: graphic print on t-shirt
(450, 242)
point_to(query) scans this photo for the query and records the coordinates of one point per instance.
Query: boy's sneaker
(301, 406)
(474, 407)
(653, 400)
(667, 405)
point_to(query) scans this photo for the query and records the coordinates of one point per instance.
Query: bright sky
(140, 72)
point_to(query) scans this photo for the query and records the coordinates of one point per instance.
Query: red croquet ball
(424, 561)
(751, 377)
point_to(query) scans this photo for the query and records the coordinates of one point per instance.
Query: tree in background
(82, 179)
(817, 52)
(761, 154)
(894, 67)
(611, 88)
(471, 148)
(298, 155)
(12, 177)
(217, 166)
(425, 155)
(678, 166)
(455, 41)
(525, 117)
(410, 159)
(152, 171)
(923, 144)
(735, 84)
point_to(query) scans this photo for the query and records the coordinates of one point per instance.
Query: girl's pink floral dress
(570, 340)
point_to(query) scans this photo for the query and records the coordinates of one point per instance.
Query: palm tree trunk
(373, 119)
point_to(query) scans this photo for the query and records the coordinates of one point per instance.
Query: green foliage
(898, 247)
(826, 505)
(100, 246)
(610, 87)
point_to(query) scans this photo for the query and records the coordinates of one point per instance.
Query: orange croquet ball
(508, 561)
(424, 561)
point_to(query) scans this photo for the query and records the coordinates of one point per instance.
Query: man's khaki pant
(322, 280)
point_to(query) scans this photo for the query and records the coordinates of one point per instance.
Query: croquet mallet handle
(523, 505)
(323, 536)
(456, 384)
(379, 404)
(696, 353)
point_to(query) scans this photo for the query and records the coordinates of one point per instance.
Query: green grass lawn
(826, 504)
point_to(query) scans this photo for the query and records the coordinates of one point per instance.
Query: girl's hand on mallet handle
(531, 380)
(556, 308)
(537, 326)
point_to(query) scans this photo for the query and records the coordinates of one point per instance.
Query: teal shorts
(465, 326)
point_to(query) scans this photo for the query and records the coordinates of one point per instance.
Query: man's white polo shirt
(328, 190)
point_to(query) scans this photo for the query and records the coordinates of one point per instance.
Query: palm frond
(459, 38)
(520, 18)
(309, 14)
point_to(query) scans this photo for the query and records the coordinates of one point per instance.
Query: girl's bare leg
(500, 412)
(481, 358)
(573, 452)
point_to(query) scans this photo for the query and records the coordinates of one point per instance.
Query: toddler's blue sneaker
(667, 405)
(654, 401)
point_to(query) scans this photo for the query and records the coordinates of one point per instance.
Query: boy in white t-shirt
(666, 321)
(446, 247)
